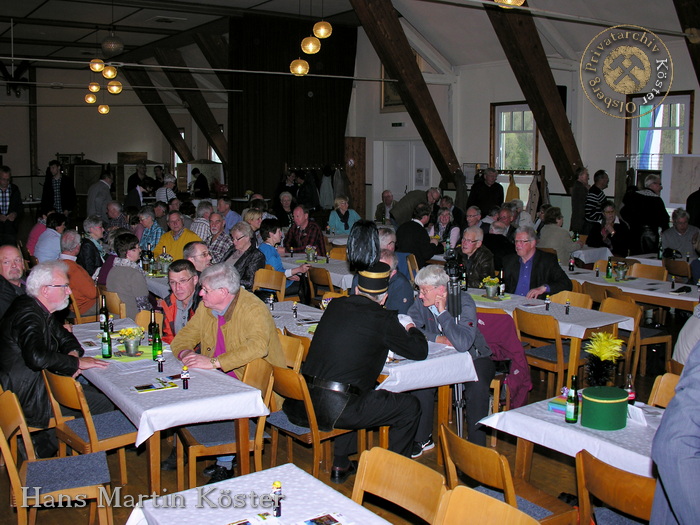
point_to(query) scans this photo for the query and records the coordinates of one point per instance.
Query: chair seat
(280, 420)
(607, 516)
(107, 426)
(529, 508)
(71, 472)
(219, 433)
(645, 332)
(549, 352)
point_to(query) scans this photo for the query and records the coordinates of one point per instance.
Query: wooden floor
(552, 472)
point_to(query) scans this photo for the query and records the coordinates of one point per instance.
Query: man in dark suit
(531, 272)
(497, 243)
(347, 353)
(58, 193)
(10, 207)
(412, 237)
(134, 199)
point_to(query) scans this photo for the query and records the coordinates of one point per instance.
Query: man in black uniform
(347, 354)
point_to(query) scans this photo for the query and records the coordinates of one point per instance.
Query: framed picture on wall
(390, 98)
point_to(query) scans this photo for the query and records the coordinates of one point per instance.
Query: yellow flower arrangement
(605, 347)
(489, 281)
(131, 333)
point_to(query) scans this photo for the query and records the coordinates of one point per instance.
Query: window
(514, 145)
(664, 130)
(212, 154)
(176, 159)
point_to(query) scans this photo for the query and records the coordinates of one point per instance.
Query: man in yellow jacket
(231, 327)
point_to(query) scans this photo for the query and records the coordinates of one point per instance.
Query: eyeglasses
(239, 238)
(467, 241)
(208, 291)
(518, 241)
(472, 216)
(203, 254)
(57, 285)
(173, 284)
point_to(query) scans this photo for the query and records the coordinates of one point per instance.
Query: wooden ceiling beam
(521, 43)
(381, 23)
(151, 100)
(193, 98)
(215, 51)
(688, 12)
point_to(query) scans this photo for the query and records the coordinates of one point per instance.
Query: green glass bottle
(157, 345)
(571, 415)
(106, 345)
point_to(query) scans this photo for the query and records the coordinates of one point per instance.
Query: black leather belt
(332, 385)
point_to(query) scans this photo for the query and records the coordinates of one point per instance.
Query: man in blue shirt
(223, 206)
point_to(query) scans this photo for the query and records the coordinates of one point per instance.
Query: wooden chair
(602, 264)
(319, 283)
(678, 268)
(580, 300)
(631, 337)
(583, 238)
(598, 292)
(293, 351)
(333, 295)
(462, 501)
(102, 432)
(539, 331)
(271, 280)
(549, 250)
(488, 467)
(115, 306)
(291, 385)
(79, 319)
(305, 342)
(406, 483)
(143, 319)
(219, 438)
(647, 271)
(663, 390)
(91, 469)
(339, 253)
(630, 493)
(412, 267)
(674, 367)
(576, 286)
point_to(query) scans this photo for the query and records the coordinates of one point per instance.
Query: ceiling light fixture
(510, 3)
(299, 67)
(90, 98)
(323, 29)
(114, 87)
(103, 109)
(97, 65)
(112, 45)
(109, 72)
(693, 35)
(94, 87)
(311, 45)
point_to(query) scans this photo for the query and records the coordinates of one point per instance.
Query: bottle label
(571, 414)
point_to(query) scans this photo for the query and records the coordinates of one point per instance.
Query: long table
(212, 396)
(341, 276)
(627, 449)
(304, 498)
(443, 367)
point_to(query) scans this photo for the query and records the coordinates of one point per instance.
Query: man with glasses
(232, 329)
(682, 237)
(476, 259)
(180, 305)
(34, 340)
(10, 207)
(174, 241)
(531, 272)
(645, 212)
(11, 271)
(198, 254)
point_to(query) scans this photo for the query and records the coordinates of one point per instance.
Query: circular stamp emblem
(626, 60)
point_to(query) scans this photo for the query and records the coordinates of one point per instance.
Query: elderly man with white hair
(34, 340)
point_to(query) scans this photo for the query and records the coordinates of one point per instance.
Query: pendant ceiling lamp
(299, 67)
(508, 3)
(322, 29)
(311, 45)
(112, 45)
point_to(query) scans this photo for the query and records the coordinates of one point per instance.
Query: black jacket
(412, 237)
(68, 195)
(545, 270)
(250, 262)
(8, 293)
(89, 257)
(480, 266)
(500, 247)
(33, 340)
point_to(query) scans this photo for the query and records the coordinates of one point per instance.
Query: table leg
(243, 446)
(153, 450)
(444, 400)
(523, 459)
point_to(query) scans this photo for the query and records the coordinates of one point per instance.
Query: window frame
(496, 110)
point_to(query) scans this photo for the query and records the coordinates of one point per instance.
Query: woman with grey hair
(285, 209)
(165, 193)
(92, 252)
(430, 315)
(244, 256)
(645, 212)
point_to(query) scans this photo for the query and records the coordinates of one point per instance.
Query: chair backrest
(583, 238)
(482, 464)
(616, 293)
(293, 351)
(598, 292)
(537, 326)
(602, 264)
(258, 374)
(339, 252)
(621, 490)
(679, 268)
(13, 426)
(66, 391)
(548, 250)
(663, 390)
(576, 286)
(481, 508)
(305, 341)
(406, 483)
(76, 309)
(270, 280)
(319, 277)
(412, 264)
(580, 300)
(143, 319)
(333, 295)
(648, 271)
(115, 306)
(292, 385)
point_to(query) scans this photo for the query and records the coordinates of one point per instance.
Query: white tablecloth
(590, 255)
(444, 365)
(627, 449)
(339, 270)
(652, 259)
(305, 497)
(158, 286)
(212, 395)
(337, 240)
(573, 325)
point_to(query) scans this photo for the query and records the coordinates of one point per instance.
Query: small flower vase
(131, 346)
(491, 291)
(164, 267)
